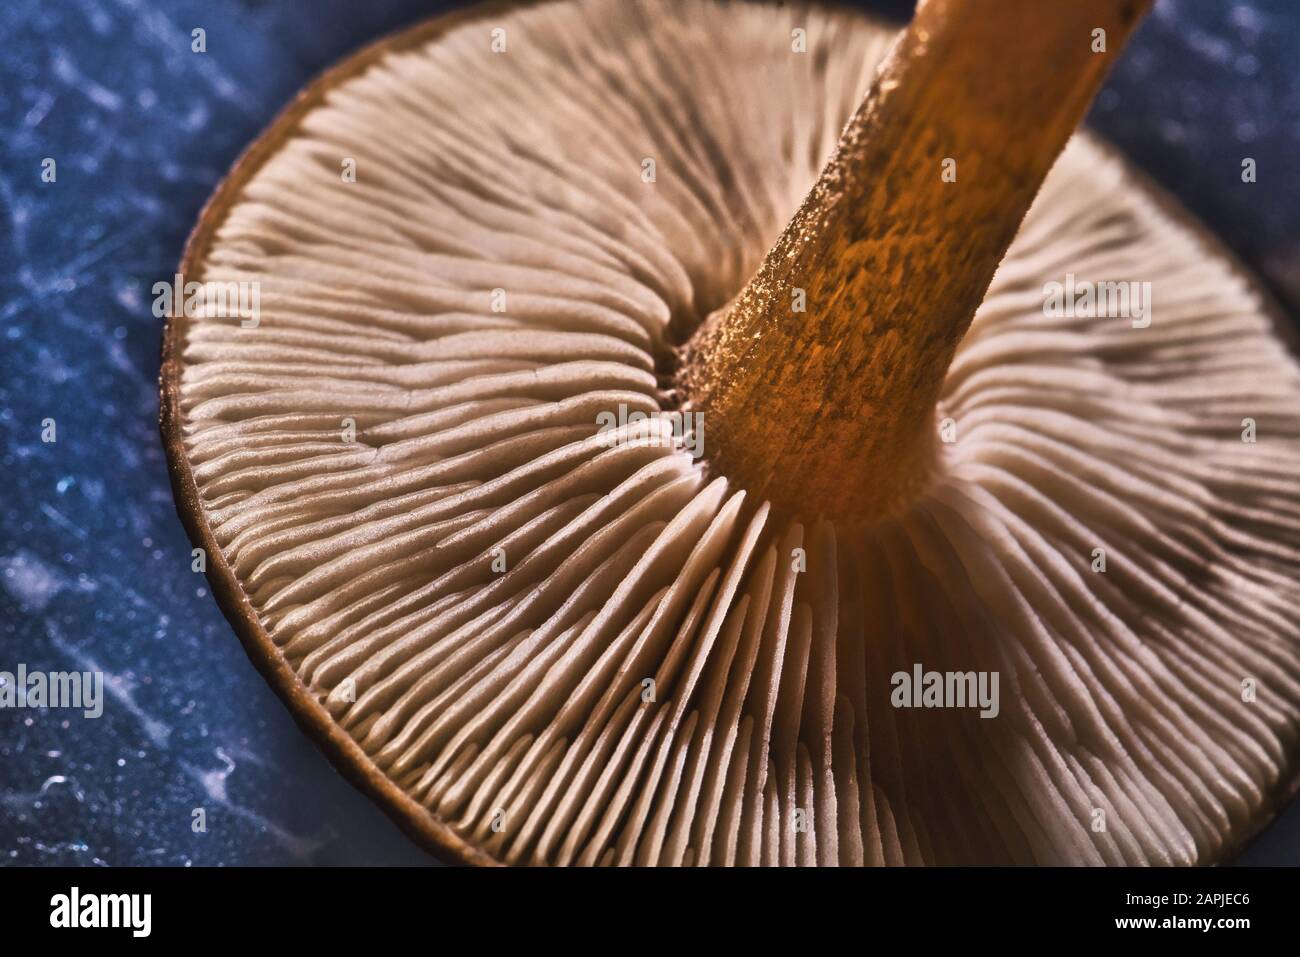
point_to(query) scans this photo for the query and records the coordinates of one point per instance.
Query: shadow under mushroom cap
(537, 641)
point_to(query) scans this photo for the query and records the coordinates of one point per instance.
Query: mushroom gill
(443, 515)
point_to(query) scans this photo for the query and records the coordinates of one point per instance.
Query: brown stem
(831, 411)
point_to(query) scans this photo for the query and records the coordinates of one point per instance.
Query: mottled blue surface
(94, 566)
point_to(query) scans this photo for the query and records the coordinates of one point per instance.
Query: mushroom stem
(831, 409)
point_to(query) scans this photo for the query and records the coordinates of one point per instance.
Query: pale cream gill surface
(514, 704)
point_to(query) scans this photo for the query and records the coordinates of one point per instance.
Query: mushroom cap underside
(539, 629)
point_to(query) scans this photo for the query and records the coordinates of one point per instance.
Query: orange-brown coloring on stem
(831, 411)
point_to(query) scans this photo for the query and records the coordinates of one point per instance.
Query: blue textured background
(94, 566)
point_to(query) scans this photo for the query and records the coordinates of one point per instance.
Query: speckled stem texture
(819, 382)
(540, 637)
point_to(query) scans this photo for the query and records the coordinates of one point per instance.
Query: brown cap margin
(421, 824)
(418, 822)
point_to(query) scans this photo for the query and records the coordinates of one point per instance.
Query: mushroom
(957, 578)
